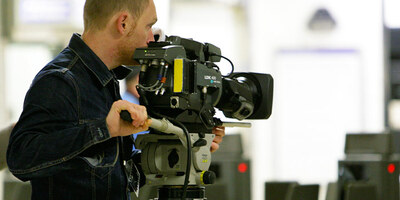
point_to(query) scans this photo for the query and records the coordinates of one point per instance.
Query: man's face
(140, 34)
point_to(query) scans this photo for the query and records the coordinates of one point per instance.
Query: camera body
(179, 79)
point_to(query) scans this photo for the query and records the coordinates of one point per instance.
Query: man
(70, 141)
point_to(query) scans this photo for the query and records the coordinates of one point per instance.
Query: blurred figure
(4, 137)
(131, 81)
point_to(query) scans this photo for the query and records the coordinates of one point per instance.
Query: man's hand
(119, 127)
(219, 132)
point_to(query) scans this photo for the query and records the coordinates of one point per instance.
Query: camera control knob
(200, 142)
(208, 177)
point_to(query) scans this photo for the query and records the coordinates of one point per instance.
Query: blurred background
(330, 60)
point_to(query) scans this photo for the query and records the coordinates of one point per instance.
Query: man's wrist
(99, 130)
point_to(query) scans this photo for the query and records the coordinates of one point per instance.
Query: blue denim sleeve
(49, 132)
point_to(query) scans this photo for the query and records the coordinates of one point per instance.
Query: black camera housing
(180, 80)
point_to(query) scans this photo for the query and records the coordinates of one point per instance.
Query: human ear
(123, 23)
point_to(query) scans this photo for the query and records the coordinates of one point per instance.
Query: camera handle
(167, 127)
(162, 125)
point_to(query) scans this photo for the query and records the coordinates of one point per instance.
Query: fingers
(214, 147)
(138, 113)
(217, 139)
(119, 127)
(219, 132)
(143, 127)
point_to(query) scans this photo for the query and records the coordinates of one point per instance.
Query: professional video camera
(180, 82)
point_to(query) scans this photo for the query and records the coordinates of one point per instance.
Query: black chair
(360, 191)
(278, 190)
(303, 192)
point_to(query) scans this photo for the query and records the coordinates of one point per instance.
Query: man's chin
(130, 62)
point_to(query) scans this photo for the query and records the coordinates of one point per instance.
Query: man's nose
(150, 37)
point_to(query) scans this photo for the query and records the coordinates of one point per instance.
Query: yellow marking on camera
(178, 75)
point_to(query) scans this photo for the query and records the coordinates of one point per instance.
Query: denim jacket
(61, 142)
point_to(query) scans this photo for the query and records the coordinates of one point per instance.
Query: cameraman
(70, 141)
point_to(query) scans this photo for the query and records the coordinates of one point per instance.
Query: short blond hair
(97, 13)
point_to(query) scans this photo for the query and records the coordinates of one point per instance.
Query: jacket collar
(93, 62)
